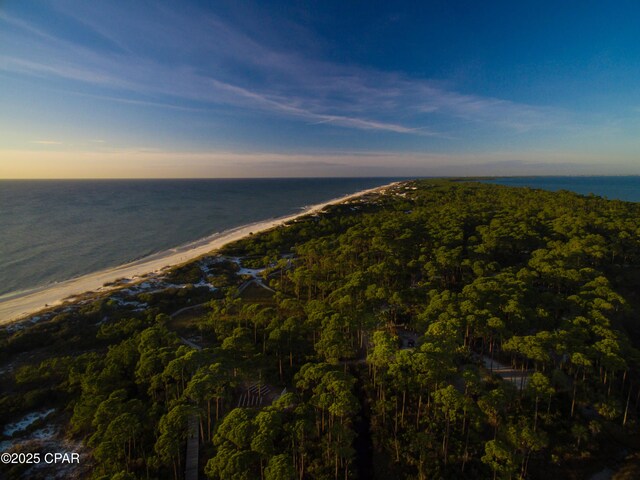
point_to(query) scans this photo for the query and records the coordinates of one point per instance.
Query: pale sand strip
(22, 305)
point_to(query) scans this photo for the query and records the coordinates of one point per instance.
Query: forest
(438, 329)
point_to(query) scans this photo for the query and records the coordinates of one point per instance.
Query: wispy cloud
(146, 162)
(47, 142)
(241, 71)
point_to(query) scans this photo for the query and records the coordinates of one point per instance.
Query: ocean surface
(619, 188)
(53, 230)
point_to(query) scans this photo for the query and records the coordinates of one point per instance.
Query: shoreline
(24, 304)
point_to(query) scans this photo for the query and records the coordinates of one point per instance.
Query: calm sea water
(56, 230)
(618, 188)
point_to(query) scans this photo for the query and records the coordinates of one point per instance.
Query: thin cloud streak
(144, 103)
(156, 163)
(315, 91)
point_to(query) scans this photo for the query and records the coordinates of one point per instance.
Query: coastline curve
(21, 305)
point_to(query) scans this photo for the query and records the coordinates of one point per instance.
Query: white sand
(25, 304)
(26, 422)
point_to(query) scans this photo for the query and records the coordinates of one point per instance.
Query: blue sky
(318, 88)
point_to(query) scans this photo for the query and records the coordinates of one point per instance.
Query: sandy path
(518, 377)
(24, 304)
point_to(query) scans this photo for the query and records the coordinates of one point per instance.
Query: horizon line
(401, 177)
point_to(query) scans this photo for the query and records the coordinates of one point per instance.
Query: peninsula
(427, 329)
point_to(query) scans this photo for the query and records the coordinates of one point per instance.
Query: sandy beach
(25, 304)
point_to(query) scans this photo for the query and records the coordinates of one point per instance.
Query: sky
(136, 89)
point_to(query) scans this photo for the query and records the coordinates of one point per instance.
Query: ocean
(54, 230)
(625, 188)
